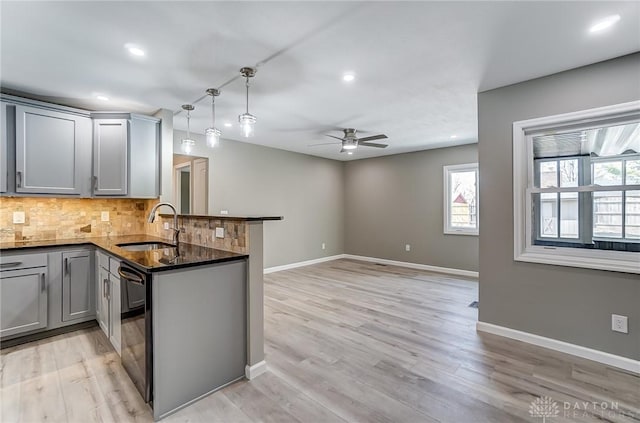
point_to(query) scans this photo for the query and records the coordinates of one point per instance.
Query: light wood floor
(345, 341)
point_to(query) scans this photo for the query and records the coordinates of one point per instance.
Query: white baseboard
(565, 347)
(437, 269)
(447, 270)
(251, 372)
(302, 263)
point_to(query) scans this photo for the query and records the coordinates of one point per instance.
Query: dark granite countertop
(187, 255)
(224, 217)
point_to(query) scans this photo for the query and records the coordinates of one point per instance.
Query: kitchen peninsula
(205, 311)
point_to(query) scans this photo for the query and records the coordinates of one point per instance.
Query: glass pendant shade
(213, 137)
(188, 143)
(247, 124)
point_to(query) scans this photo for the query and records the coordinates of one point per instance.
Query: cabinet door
(23, 300)
(110, 156)
(4, 163)
(145, 157)
(114, 313)
(103, 299)
(78, 294)
(50, 150)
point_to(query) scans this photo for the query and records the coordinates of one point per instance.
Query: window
(577, 189)
(461, 199)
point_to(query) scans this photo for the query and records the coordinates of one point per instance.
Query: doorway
(191, 182)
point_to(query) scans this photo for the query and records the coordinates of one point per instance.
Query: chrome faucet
(176, 230)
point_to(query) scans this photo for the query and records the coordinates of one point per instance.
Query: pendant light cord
(188, 124)
(247, 84)
(213, 110)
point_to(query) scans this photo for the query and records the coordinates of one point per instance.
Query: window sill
(460, 232)
(598, 260)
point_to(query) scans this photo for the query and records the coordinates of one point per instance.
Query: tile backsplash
(63, 218)
(201, 231)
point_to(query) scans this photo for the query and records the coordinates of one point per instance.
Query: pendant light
(188, 143)
(212, 133)
(247, 120)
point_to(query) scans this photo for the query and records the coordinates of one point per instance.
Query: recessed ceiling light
(228, 124)
(454, 136)
(102, 97)
(348, 77)
(605, 23)
(134, 50)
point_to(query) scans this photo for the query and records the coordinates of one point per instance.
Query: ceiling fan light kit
(350, 141)
(188, 143)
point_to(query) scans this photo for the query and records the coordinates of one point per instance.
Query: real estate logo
(544, 407)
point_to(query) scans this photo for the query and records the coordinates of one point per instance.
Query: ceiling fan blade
(324, 143)
(373, 144)
(372, 138)
(338, 138)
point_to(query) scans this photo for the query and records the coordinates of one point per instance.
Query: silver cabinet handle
(19, 179)
(66, 266)
(105, 286)
(94, 182)
(11, 264)
(43, 282)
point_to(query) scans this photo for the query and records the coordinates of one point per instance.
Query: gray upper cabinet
(78, 286)
(126, 155)
(23, 300)
(4, 162)
(52, 150)
(110, 157)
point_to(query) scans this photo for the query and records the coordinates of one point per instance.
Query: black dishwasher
(136, 333)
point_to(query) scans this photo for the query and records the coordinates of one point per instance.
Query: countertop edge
(224, 217)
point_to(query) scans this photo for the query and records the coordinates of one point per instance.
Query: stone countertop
(187, 255)
(224, 217)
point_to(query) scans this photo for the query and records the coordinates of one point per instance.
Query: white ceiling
(418, 65)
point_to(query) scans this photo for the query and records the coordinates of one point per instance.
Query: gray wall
(248, 179)
(569, 304)
(396, 200)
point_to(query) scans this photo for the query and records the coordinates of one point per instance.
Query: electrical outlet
(323, 246)
(18, 217)
(407, 247)
(619, 323)
(219, 232)
(224, 211)
(104, 216)
(166, 225)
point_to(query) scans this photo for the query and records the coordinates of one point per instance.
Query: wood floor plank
(345, 341)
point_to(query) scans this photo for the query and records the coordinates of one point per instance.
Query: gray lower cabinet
(23, 300)
(109, 298)
(52, 150)
(78, 287)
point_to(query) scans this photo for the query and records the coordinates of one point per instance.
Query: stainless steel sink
(145, 246)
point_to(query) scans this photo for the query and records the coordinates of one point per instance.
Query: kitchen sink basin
(145, 246)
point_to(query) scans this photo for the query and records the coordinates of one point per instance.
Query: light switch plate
(224, 211)
(219, 232)
(166, 225)
(18, 217)
(407, 247)
(104, 216)
(619, 323)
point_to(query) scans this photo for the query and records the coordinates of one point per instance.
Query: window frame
(447, 171)
(523, 187)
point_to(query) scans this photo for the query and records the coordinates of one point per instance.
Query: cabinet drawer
(114, 264)
(103, 260)
(22, 261)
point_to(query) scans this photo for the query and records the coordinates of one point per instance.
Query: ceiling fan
(350, 141)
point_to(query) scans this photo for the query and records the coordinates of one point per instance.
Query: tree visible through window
(461, 199)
